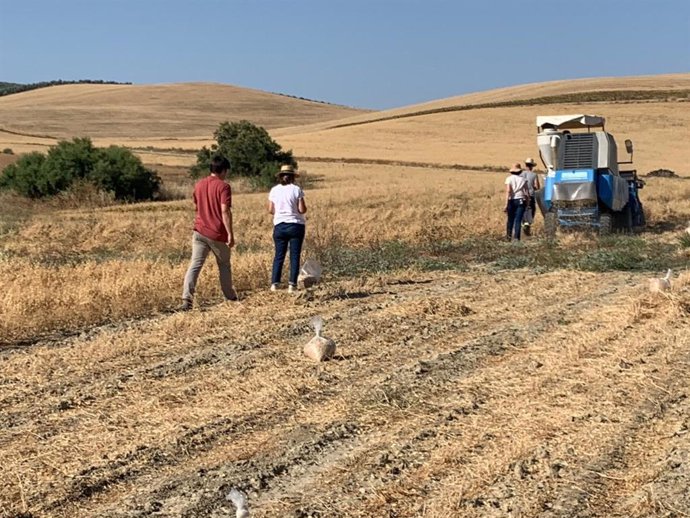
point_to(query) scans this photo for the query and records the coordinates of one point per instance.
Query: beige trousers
(201, 246)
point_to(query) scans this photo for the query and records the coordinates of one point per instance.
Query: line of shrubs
(114, 169)
(252, 153)
(15, 88)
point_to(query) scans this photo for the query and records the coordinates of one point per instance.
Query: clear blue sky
(365, 53)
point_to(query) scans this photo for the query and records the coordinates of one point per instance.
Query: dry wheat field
(473, 377)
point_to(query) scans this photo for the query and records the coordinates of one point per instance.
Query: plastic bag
(319, 348)
(310, 273)
(239, 500)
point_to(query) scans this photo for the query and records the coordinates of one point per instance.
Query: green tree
(249, 148)
(203, 161)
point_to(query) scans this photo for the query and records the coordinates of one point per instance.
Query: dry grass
(502, 136)
(469, 409)
(519, 93)
(85, 266)
(165, 111)
(472, 378)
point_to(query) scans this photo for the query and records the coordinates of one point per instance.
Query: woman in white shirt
(517, 200)
(286, 203)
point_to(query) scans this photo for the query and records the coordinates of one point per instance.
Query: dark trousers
(533, 206)
(287, 235)
(516, 210)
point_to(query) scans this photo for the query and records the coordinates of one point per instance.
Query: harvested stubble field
(474, 377)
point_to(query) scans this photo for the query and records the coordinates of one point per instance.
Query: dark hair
(219, 164)
(286, 178)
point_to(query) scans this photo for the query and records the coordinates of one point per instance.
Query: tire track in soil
(568, 489)
(206, 489)
(202, 352)
(154, 456)
(408, 456)
(233, 356)
(596, 487)
(92, 480)
(665, 452)
(421, 377)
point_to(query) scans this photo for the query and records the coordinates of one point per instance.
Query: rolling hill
(164, 111)
(497, 127)
(492, 129)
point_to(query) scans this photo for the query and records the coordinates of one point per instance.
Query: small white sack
(310, 273)
(659, 285)
(319, 348)
(239, 500)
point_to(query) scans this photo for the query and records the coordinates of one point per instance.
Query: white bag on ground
(319, 348)
(659, 285)
(239, 500)
(310, 273)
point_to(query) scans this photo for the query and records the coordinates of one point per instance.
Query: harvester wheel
(604, 224)
(550, 224)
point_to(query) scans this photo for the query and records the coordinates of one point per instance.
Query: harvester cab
(584, 186)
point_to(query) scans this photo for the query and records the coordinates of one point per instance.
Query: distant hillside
(15, 88)
(604, 96)
(155, 111)
(493, 129)
(603, 89)
(487, 130)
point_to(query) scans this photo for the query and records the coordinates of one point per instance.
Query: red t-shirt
(209, 193)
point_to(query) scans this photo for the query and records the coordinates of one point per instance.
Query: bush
(119, 171)
(251, 151)
(25, 176)
(67, 162)
(114, 169)
(7, 151)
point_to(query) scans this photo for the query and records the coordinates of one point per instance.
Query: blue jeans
(284, 235)
(516, 210)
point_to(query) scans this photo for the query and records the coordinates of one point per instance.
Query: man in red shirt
(212, 230)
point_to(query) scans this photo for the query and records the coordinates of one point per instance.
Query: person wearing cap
(533, 185)
(212, 230)
(517, 200)
(286, 203)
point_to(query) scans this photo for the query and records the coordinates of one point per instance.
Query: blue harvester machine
(584, 186)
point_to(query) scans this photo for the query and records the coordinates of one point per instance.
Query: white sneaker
(274, 287)
(292, 289)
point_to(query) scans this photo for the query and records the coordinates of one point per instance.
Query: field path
(473, 393)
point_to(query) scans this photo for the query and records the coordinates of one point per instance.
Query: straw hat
(530, 161)
(516, 169)
(287, 169)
